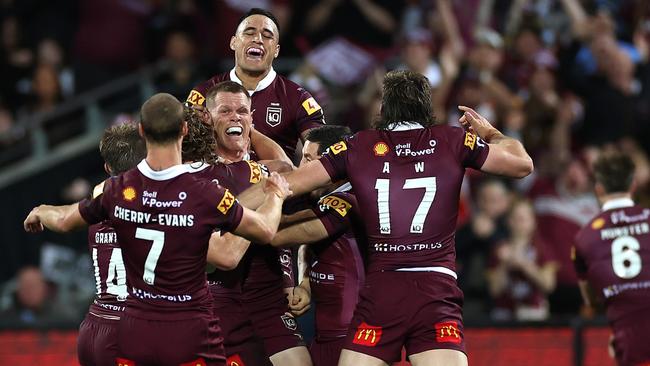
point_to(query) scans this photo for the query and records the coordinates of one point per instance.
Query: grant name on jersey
(139, 217)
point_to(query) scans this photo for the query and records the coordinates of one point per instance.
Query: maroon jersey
(110, 274)
(164, 220)
(612, 252)
(237, 177)
(336, 268)
(408, 182)
(283, 109)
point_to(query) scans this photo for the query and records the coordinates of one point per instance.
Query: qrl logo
(273, 116)
(367, 335)
(447, 332)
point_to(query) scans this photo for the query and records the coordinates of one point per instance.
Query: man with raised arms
(406, 175)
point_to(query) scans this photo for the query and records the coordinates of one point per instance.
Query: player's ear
(277, 51)
(633, 187)
(233, 40)
(140, 130)
(107, 169)
(184, 129)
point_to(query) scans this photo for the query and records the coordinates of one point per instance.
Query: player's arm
(302, 180)
(59, 219)
(587, 293)
(506, 156)
(304, 232)
(301, 296)
(225, 251)
(267, 149)
(261, 225)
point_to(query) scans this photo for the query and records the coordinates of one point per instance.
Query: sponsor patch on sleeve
(311, 106)
(598, 223)
(256, 172)
(196, 98)
(470, 140)
(129, 194)
(99, 189)
(338, 147)
(339, 205)
(367, 335)
(226, 202)
(124, 362)
(198, 362)
(447, 332)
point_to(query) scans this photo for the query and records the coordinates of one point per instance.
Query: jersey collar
(263, 84)
(617, 203)
(404, 126)
(160, 175)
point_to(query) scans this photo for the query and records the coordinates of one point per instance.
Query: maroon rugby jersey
(110, 274)
(283, 109)
(226, 285)
(408, 182)
(612, 252)
(164, 220)
(336, 267)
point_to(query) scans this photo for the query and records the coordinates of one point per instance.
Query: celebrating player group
(191, 234)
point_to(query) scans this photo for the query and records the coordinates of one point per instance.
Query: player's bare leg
(352, 358)
(439, 357)
(296, 356)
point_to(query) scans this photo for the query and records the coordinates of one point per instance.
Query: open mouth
(255, 53)
(234, 131)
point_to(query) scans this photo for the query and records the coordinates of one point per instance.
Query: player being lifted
(122, 149)
(284, 111)
(268, 270)
(334, 270)
(612, 259)
(407, 174)
(164, 216)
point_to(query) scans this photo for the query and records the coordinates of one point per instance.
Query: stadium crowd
(570, 79)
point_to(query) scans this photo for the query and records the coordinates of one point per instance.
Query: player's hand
(33, 223)
(299, 300)
(474, 122)
(278, 185)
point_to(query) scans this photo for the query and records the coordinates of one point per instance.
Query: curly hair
(200, 144)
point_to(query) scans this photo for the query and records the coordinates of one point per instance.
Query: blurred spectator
(563, 204)
(417, 55)
(50, 52)
(519, 277)
(474, 240)
(369, 24)
(32, 303)
(45, 91)
(180, 51)
(16, 61)
(109, 41)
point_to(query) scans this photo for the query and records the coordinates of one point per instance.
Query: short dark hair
(260, 11)
(122, 147)
(227, 86)
(200, 143)
(406, 97)
(615, 171)
(161, 117)
(328, 135)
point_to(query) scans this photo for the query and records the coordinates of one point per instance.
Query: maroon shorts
(421, 311)
(97, 341)
(631, 340)
(326, 353)
(272, 321)
(242, 345)
(194, 341)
